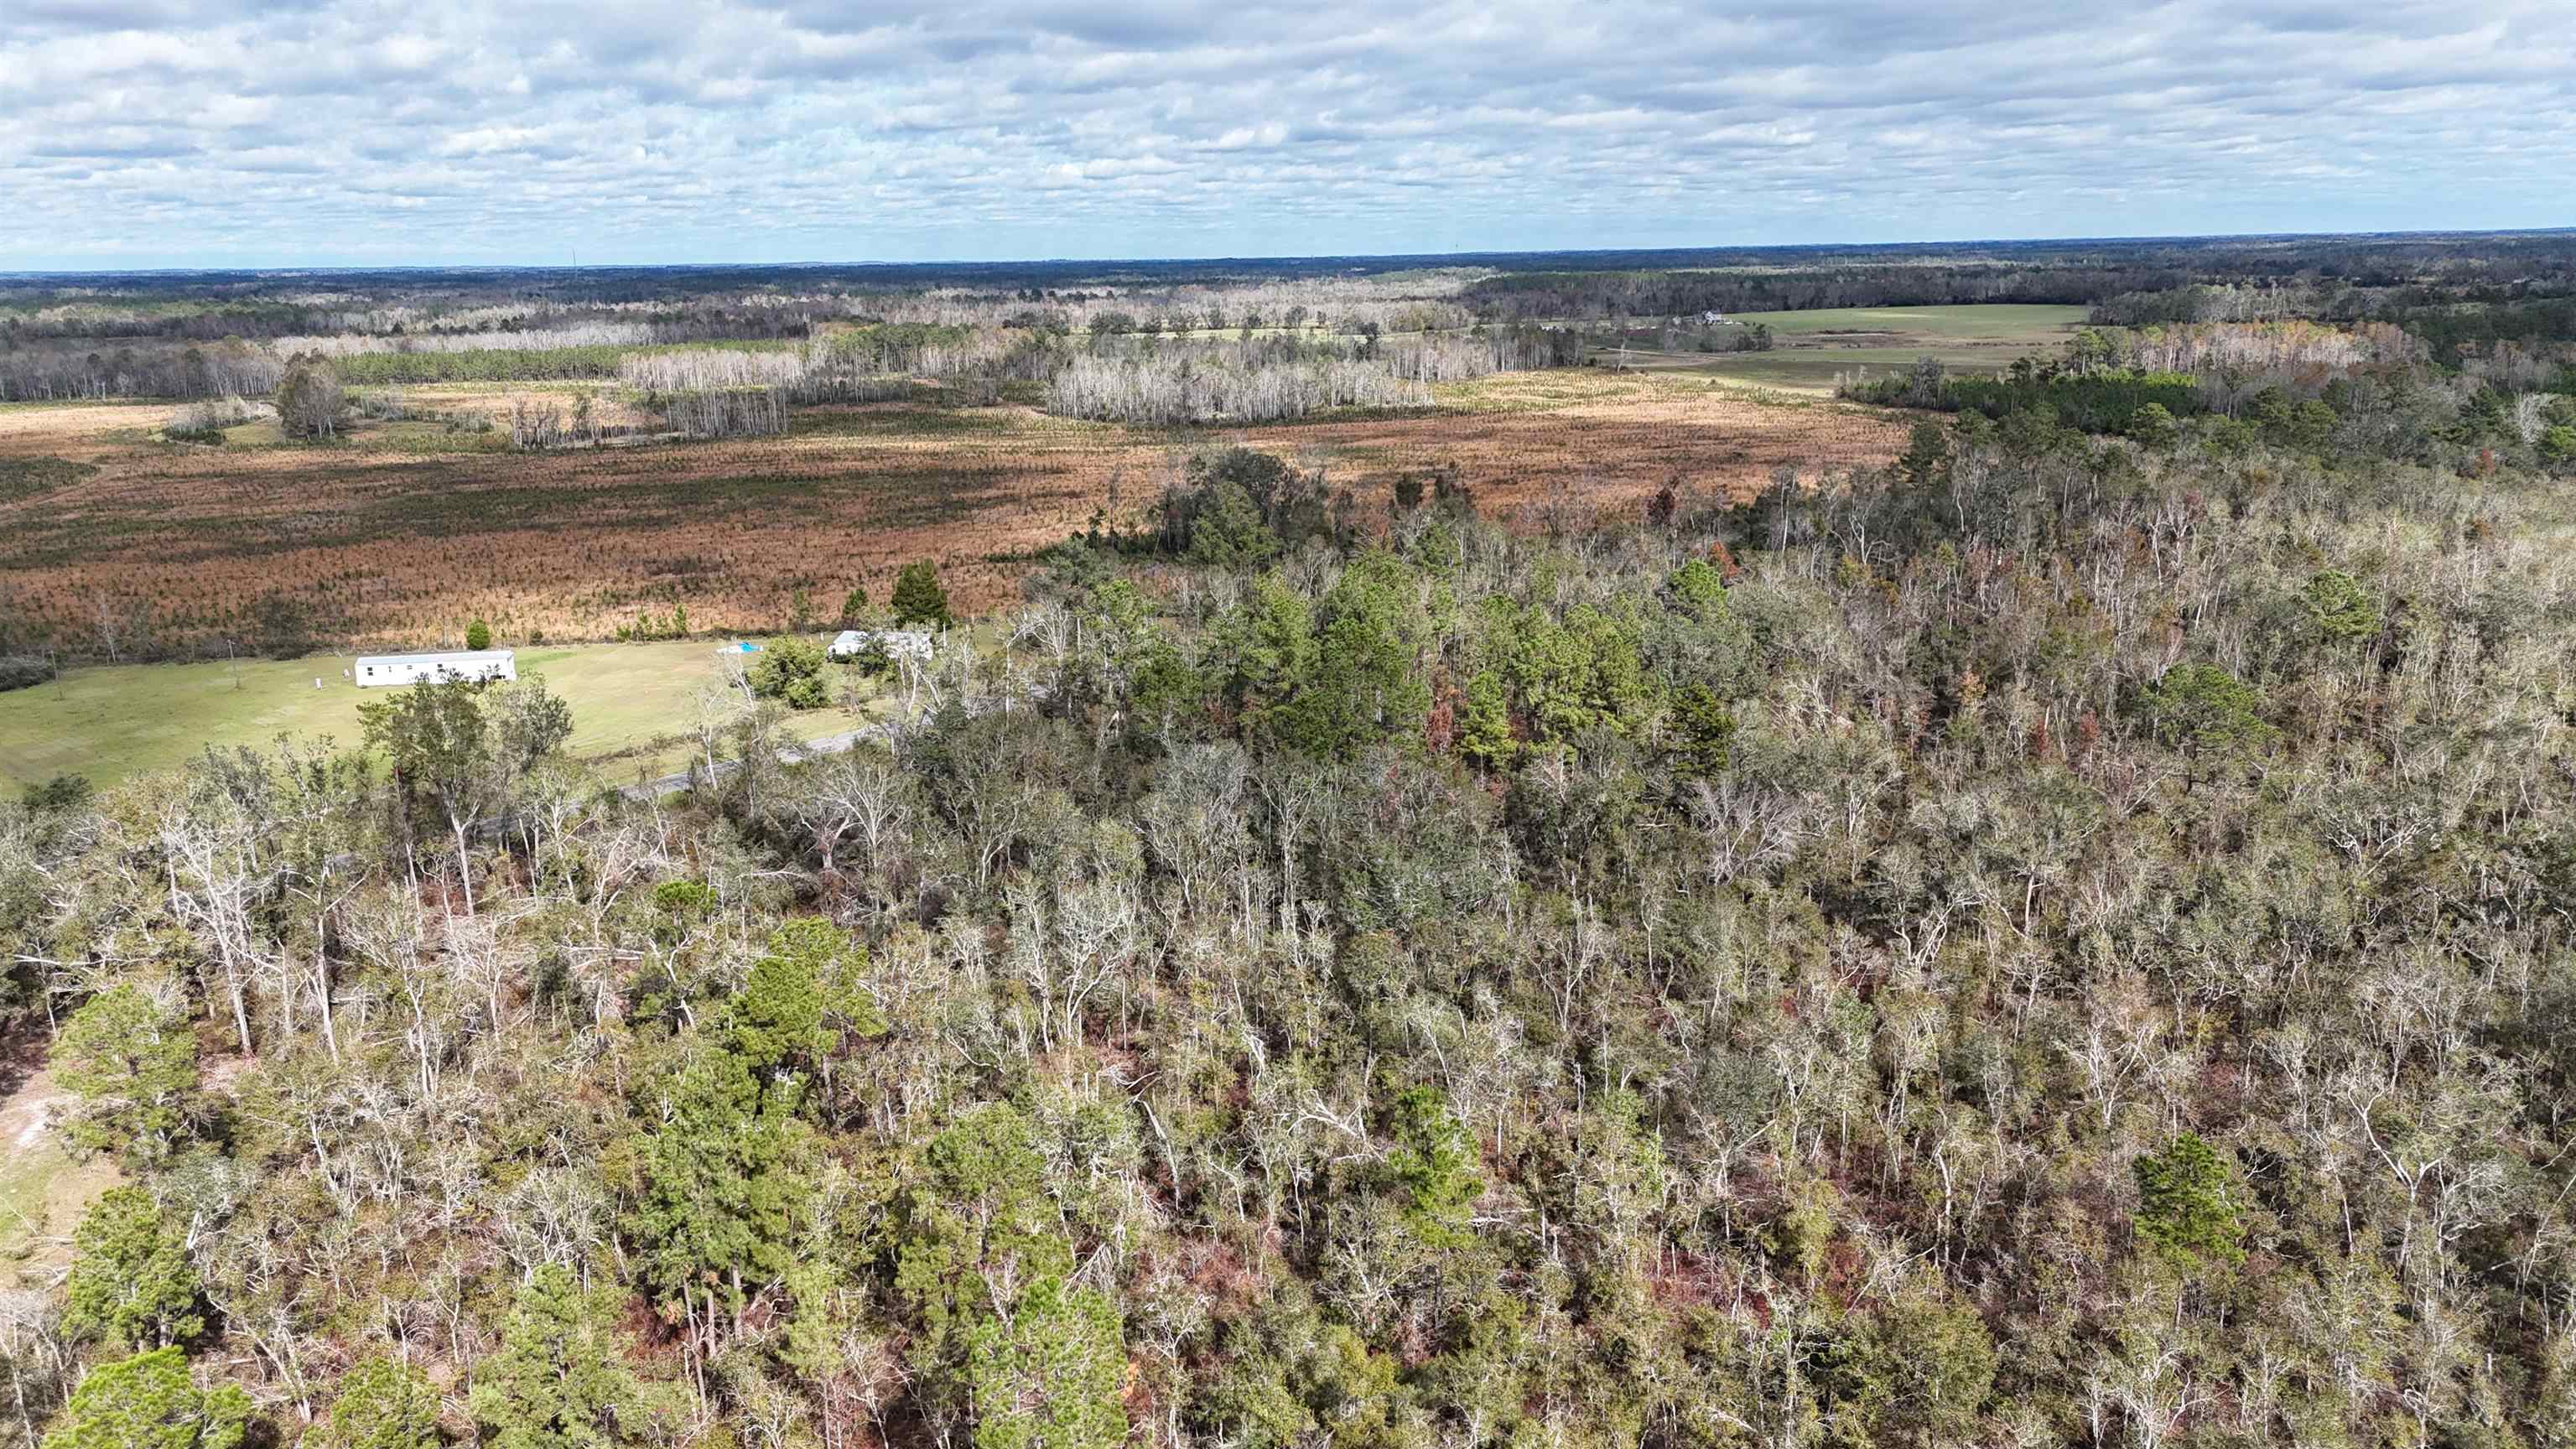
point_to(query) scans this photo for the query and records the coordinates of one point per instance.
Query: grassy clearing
(2005, 322)
(113, 722)
(1814, 347)
(43, 1192)
(43, 1187)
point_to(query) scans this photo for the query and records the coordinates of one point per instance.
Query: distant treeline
(1591, 295)
(2106, 400)
(589, 361)
(164, 369)
(2454, 329)
(769, 301)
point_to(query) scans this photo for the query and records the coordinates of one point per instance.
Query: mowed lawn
(111, 722)
(1812, 348)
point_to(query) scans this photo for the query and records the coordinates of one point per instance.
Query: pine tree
(131, 1284)
(134, 1069)
(558, 1382)
(724, 1178)
(1047, 1377)
(983, 1264)
(1704, 734)
(150, 1402)
(918, 596)
(2185, 1206)
(383, 1405)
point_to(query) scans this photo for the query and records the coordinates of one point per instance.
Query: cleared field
(115, 721)
(392, 539)
(1812, 348)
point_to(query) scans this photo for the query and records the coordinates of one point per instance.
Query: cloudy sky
(285, 132)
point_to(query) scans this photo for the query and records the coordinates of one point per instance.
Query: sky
(223, 133)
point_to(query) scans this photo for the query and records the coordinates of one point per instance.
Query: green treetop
(149, 1401)
(133, 1068)
(131, 1284)
(559, 1381)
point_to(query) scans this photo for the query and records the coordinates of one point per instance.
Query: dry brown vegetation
(396, 535)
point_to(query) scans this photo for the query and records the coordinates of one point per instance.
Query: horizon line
(274, 269)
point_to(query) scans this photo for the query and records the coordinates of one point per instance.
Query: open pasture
(1814, 347)
(113, 722)
(119, 542)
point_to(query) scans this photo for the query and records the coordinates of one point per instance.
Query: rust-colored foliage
(390, 542)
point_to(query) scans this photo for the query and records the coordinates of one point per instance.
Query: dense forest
(2063, 940)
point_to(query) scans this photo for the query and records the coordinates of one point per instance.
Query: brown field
(403, 531)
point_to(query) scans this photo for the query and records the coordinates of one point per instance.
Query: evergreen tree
(150, 1402)
(131, 1284)
(722, 1176)
(1433, 1166)
(558, 1381)
(2207, 708)
(383, 1404)
(1047, 1375)
(1227, 530)
(1364, 686)
(1485, 720)
(1703, 731)
(133, 1069)
(2185, 1205)
(2342, 608)
(983, 1266)
(792, 671)
(918, 596)
(478, 635)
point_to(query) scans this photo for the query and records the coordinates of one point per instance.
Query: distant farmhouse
(897, 643)
(377, 670)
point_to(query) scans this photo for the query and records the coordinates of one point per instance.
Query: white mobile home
(897, 643)
(381, 669)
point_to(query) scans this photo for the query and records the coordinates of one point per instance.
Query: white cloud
(316, 131)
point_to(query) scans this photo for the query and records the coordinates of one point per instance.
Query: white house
(374, 670)
(897, 643)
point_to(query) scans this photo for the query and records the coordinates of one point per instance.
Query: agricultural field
(111, 722)
(1814, 348)
(115, 541)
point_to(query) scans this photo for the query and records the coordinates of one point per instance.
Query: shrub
(17, 671)
(383, 1404)
(2342, 608)
(62, 792)
(204, 422)
(791, 671)
(478, 635)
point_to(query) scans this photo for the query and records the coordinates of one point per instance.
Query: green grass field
(43, 1192)
(111, 722)
(1814, 347)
